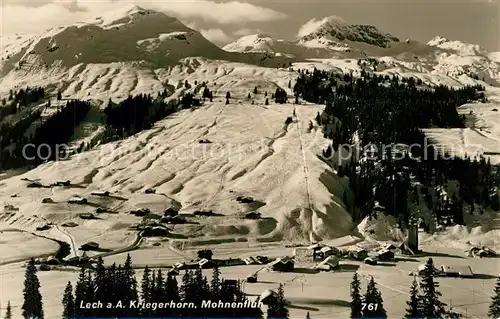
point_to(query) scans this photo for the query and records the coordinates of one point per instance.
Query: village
(300, 267)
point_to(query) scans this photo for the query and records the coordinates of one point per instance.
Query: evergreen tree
(68, 302)
(227, 101)
(255, 90)
(413, 310)
(373, 303)
(277, 306)
(228, 95)
(289, 84)
(215, 285)
(80, 292)
(494, 309)
(59, 96)
(146, 285)
(172, 293)
(130, 283)
(431, 306)
(308, 316)
(8, 311)
(267, 101)
(356, 304)
(186, 286)
(32, 306)
(249, 96)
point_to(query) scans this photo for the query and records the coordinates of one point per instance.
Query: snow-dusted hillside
(142, 52)
(252, 153)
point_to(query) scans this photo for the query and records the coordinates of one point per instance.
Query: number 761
(369, 306)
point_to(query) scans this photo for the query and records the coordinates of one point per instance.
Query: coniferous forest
(386, 111)
(35, 131)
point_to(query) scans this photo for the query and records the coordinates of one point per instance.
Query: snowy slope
(461, 47)
(263, 158)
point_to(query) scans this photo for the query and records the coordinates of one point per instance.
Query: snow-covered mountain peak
(336, 29)
(438, 40)
(122, 16)
(259, 42)
(460, 47)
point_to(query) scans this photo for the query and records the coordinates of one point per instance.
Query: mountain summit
(334, 28)
(131, 34)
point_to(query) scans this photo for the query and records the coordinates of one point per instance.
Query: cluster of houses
(481, 252)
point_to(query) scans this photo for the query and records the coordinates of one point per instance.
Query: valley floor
(324, 295)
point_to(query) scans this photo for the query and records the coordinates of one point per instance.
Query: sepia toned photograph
(277, 159)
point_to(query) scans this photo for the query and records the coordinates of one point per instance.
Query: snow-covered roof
(267, 293)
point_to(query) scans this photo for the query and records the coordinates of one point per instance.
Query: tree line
(51, 132)
(19, 99)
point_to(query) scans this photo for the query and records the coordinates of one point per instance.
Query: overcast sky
(473, 21)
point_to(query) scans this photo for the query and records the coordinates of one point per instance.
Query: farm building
(205, 263)
(203, 213)
(389, 247)
(179, 265)
(327, 251)
(90, 246)
(282, 264)
(421, 268)
(252, 215)
(34, 185)
(251, 261)
(315, 249)
(232, 262)
(61, 183)
(101, 194)
(457, 271)
(481, 252)
(69, 224)
(141, 212)
(171, 211)
(245, 199)
(87, 216)
(155, 231)
(252, 278)
(385, 255)
(267, 296)
(330, 263)
(173, 220)
(356, 252)
(42, 228)
(77, 200)
(52, 261)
